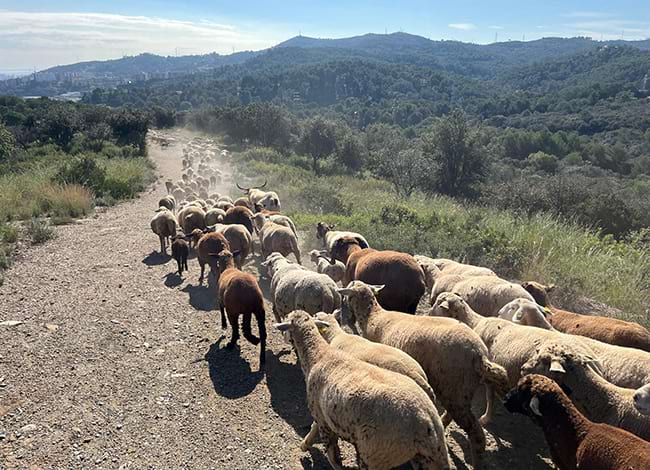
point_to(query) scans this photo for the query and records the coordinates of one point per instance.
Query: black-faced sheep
(329, 236)
(608, 330)
(574, 441)
(240, 295)
(180, 252)
(388, 418)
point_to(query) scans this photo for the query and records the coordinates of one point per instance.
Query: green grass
(542, 248)
(39, 231)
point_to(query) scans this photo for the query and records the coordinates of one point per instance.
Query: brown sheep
(239, 239)
(206, 249)
(180, 252)
(239, 215)
(243, 202)
(399, 273)
(605, 329)
(574, 441)
(343, 248)
(240, 295)
(190, 218)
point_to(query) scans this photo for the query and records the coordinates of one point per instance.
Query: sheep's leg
(202, 274)
(179, 262)
(261, 328)
(276, 315)
(248, 334)
(185, 264)
(332, 448)
(446, 419)
(468, 423)
(224, 325)
(234, 323)
(311, 438)
(162, 244)
(489, 399)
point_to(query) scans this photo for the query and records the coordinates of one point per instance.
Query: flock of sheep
(389, 380)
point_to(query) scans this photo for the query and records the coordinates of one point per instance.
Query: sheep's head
(526, 312)
(361, 298)
(313, 255)
(430, 271)
(299, 324)
(534, 396)
(539, 291)
(642, 400)
(322, 228)
(327, 325)
(258, 220)
(556, 361)
(450, 305)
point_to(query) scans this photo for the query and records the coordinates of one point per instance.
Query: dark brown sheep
(239, 215)
(574, 441)
(239, 294)
(605, 329)
(343, 248)
(399, 273)
(180, 252)
(206, 249)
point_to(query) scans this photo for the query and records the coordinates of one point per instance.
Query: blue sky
(39, 34)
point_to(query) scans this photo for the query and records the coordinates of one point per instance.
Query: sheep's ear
(444, 305)
(534, 405)
(550, 288)
(322, 325)
(282, 326)
(345, 291)
(556, 366)
(376, 288)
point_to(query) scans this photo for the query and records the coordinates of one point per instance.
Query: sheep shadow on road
(156, 258)
(202, 297)
(173, 280)
(230, 373)
(286, 385)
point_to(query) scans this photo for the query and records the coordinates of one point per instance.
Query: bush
(82, 171)
(39, 231)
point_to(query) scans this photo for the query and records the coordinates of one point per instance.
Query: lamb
(330, 267)
(625, 367)
(329, 236)
(267, 199)
(378, 354)
(207, 248)
(275, 237)
(239, 238)
(240, 295)
(451, 354)
(485, 294)
(164, 225)
(239, 215)
(607, 330)
(385, 415)
(180, 252)
(594, 396)
(399, 273)
(214, 216)
(179, 194)
(295, 288)
(574, 441)
(642, 399)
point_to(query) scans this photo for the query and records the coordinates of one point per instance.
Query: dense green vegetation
(59, 160)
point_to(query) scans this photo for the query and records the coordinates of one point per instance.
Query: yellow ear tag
(321, 329)
(547, 310)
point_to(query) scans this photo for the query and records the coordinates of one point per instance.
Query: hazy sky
(39, 34)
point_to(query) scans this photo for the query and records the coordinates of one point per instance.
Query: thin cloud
(45, 38)
(495, 27)
(611, 29)
(587, 14)
(462, 26)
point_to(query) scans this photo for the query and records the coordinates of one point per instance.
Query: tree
(459, 162)
(7, 142)
(408, 170)
(319, 140)
(543, 162)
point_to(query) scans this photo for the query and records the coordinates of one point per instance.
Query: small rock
(118, 426)
(146, 345)
(11, 323)
(51, 326)
(186, 404)
(29, 428)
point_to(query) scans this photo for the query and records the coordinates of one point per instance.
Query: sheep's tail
(295, 249)
(292, 227)
(494, 375)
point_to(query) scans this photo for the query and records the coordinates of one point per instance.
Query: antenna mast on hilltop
(496, 36)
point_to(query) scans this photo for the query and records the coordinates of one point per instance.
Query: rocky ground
(109, 360)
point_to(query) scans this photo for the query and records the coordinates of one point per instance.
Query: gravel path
(119, 363)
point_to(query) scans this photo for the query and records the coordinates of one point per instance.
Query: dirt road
(119, 363)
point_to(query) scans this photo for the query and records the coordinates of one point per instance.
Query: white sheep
(642, 399)
(214, 216)
(385, 415)
(275, 237)
(331, 267)
(451, 354)
(485, 294)
(164, 225)
(625, 367)
(599, 400)
(527, 313)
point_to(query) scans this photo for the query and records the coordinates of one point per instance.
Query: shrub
(39, 231)
(83, 171)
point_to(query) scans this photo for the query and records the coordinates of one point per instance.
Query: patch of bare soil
(119, 363)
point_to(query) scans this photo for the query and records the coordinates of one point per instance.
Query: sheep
(526, 312)
(329, 236)
(275, 237)
(385, 415)
(179, 194)
(168, 201)
(330, 267)
(169, 185)
(164, 225)
(214, 216)
(215, 196)
(282, 220)
(224, 205)
(642, 399)
(239, 238)
(451, 354)
(267, 199)
(295, 288)
(380, 355)
(485, 294)
(399, 273)
(180, 252)
(191, 217)
(596, 398)
(239, 215)
(244, 202)
(574, 441)
(240, 295)
(435, 267)
(225, 199)
(607, 330)
(625, 367)
(208, 246)
(347, 249)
